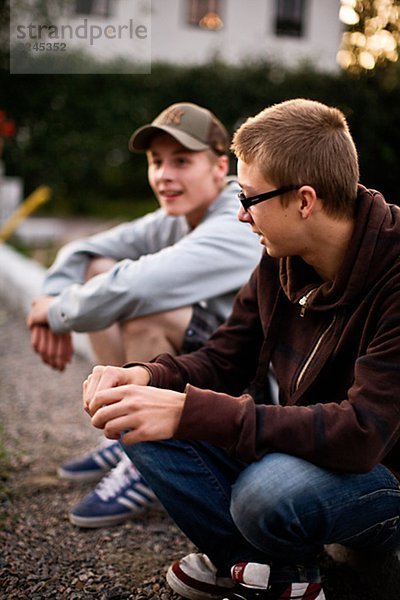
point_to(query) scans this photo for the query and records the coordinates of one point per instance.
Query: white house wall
(247, 33)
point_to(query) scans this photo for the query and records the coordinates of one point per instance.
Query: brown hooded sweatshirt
(334, 348)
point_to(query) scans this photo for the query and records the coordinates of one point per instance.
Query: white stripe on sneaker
(138, 498)
(107, 458)
(307, 591)
(132, 505)
(144, 489)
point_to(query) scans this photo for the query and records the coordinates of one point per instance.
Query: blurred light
(211, 21)
(388, 41)
(23, 136)
(393, 56)
(115, 157)
(348, 15)
(345, 59)
(346, 37)
(374, 43)
(395, 14)
(357, 39)
(369, 40)
(366, 60)
(374, 24)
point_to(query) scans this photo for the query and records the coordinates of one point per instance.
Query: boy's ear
(220, 169)
(223, 163)
(308, 201)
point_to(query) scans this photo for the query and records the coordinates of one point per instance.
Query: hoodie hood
(374, 247)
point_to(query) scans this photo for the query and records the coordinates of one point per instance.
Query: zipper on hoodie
(304, 301)
(313, 353)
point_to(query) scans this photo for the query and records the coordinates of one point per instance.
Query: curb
(21, 281)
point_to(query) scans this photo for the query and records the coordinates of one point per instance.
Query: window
(100, 8)
(290, 16)
(205, 14)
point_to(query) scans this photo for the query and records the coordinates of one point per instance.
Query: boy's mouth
(170, 194)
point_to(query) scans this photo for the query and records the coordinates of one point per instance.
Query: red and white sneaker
(195, 577)
(254, 585)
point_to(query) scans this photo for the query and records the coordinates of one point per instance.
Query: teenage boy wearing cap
(262, 486)
(161, 283)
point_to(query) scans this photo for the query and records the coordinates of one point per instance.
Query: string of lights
(372, 36)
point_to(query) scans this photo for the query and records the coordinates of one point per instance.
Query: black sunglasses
(251, 200)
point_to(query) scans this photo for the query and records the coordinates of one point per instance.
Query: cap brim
(141, 139)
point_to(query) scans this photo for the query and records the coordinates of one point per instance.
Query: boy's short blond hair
(307, 143)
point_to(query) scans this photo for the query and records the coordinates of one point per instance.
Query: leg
(145, 337)
(124, 493)
(137, 339)
(107, 344)
(290, 508)
(193, 481)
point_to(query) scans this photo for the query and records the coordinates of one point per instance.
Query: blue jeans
(280, 510)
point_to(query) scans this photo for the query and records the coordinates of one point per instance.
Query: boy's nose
(244, 216)
(164, 173)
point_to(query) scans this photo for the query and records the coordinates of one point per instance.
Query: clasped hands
(120, 401)
(55, 349)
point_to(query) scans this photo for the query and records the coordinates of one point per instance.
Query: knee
(153, 459)
(168, 326)
(147, 325)
(138, 453)
(269, 495)
(251, 500)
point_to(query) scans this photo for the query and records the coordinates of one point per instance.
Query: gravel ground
(41, 554)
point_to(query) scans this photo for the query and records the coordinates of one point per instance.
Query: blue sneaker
(92, 466)
(121, 495)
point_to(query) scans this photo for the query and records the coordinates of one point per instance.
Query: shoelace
(121, 476)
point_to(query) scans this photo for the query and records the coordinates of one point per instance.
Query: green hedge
(73, 129)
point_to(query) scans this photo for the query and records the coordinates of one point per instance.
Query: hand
(145, 413)
(55, 349)
(39, 312)
(105, 377)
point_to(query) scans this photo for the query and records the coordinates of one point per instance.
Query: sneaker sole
(95, 522)
(82, 475)
(187, 591)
